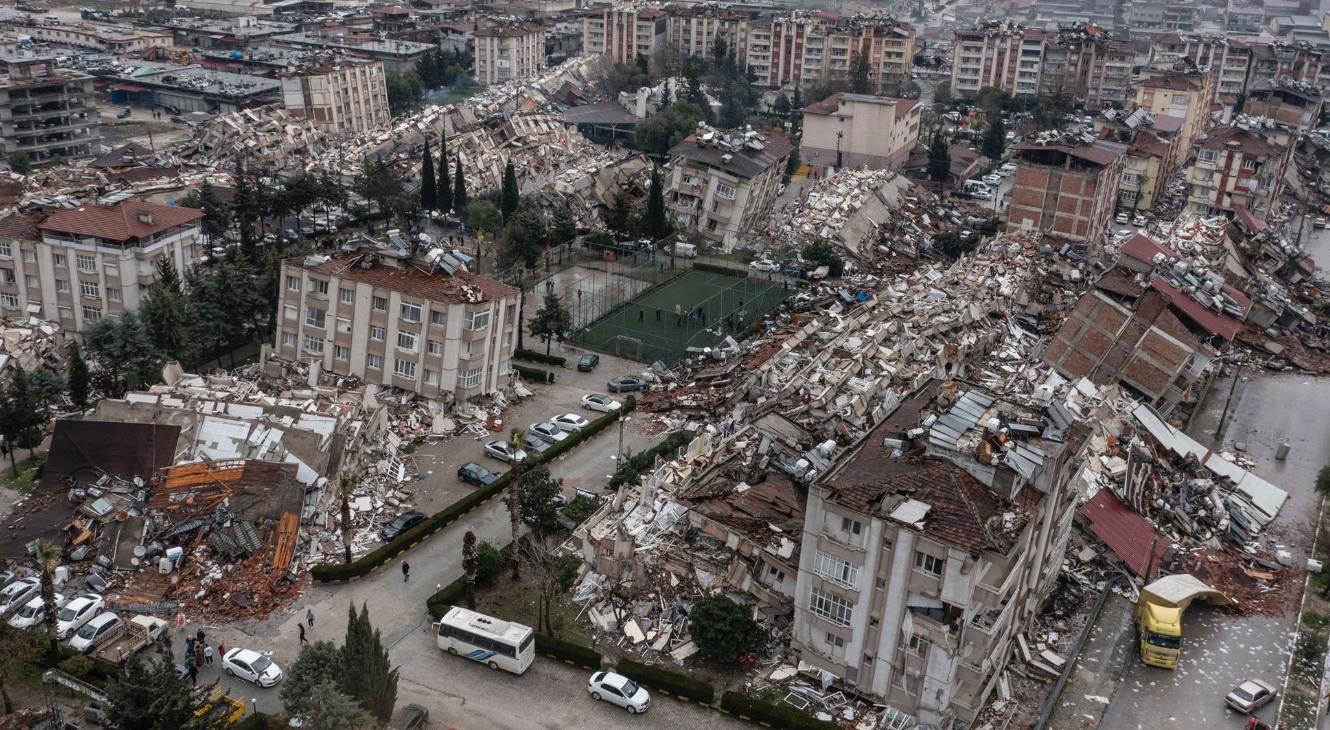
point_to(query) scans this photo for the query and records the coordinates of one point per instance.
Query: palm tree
(514, 506)
(346, 486)
(469, 565)
(48, 558)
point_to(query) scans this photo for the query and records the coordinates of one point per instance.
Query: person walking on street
(193, 676)
(199, 636)
(302, 632)
(309, 616)
(657, 314)
(641, 315)
(198, 653)
(406, 571)
(207, 655)
(221, 650)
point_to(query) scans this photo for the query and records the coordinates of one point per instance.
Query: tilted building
(1066, 190)
(47, 112)
(722, 185)
(1238, 165)
(342, 96)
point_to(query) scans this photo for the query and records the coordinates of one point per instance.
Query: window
(1128, 196)
(831, 607)
(508, 314)
(315, 317)
(318, 286)
(852, 531)
(288, 339)
(435, 348)
(410, 312)
(9, 300)
(837, 645)
(907, 682)
(88, 289)
(1207, 155)
(347, 296)
(86, 262)
(380, 304)
(92, 314)
(408, 341)
(314, 344)
(111, 270)
(113, 294)
(477, 320)
(377, 333)
(470, 378)
(1179, 98)
(436, 318)
(30, 257)
(5, 250)
(1249, 164)
(62, 286)
(725, 191)
(59, 259)
(1131, 178)
(30, 281)
(341, 352)
(431, 377)
(293, 283)
(928, 563)
(918, 645)
(66, 313)
(376, 362)
(836, 570)
(404, 369)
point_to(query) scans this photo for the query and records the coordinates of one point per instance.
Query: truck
(221, 706)
(685, 250)
(134, 635)
(1158, 616)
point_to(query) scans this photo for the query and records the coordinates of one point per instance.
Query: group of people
(698, 314)
(199, 652)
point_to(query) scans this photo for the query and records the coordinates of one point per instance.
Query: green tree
(656, 223)
(792, 164)
(552, 321)
(666, 94)
(150, 694)
(381, 183)
(657, 134)
(332, 710)
(995, 139)
(622, 217)
(514, 500)
(939, 160)
(45, 385)
(166, 315)
(429, 193)
(564, 227)
(719, 51)
(536, 496)
(723, 629)
(245, 210)
(48, 559)
(366, 675)
(122, 347)
(525, 237)
(482, 215)
(489, 562)
(444, 187)
(20, 163)
(469, 567)
(20, 416)
(318, 663)
(80, 381)
(216, 214)
(861, 70)
(227, 302)
(581, 508)
(459, 188)
(782, 105)
(510, 196)
(18, 648)
(404, 91)
(822, 253)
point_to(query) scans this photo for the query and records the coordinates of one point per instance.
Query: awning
(1126, 533)
(128, 87)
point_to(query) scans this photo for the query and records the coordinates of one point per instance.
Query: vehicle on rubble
(619, 690)
(588, 362)
(570, 422)
(16, 594)
(1124, 218)
(626, 383)
(493, 642)
(504, 451)
(476, 474)
(76, 613)
(602, 403)
(1250, 695)
(33, 612)
(1158, 616)
(251, 665)
(411, 717)
(401, 523)
(550, 432)
(102, 628)
(129, 638)
(766, 265)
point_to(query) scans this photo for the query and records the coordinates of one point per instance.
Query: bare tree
(469, 565)
(514, 503)
(345, 487)
(551, 572)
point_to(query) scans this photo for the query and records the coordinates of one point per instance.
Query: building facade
(105, 38)
(382, 316)
(722, 186)
(81, 264)
(852, 130)
(803, 47)
(1001, 55)
(508, 51)
(624, 32)
(1066, 191)
(1293, 103)
(47, 112)
(693, 29)
(1182, 91)
(343, 98)
(1237, 165)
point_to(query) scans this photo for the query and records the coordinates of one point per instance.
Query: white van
(976, 186)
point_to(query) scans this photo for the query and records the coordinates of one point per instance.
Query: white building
(509, 51)
(343, 97)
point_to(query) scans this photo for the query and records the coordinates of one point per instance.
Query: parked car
(992, 179)
(101, 628)
(534, 444)
(766, 265)
(1007, 169)
(411, 717)
(18, 593)
(476, 474)
(179, 119)
(981, 195)
(76, 613)
(1123, 218)
(33, 612)
(401, 523)
(602, 403)
(550, 432)
(625, 383)
(503, 451)
(588, 362)
(290, 235)
(172, 109)
(1319, 223)
(619, 690)
(1138, 221)
(253, 666)
(1250, 695)
(570, 422)
(123, 113)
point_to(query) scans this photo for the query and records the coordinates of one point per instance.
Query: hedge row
(722, 270)
(780, 717)
(568, 652)
(534, 356)
(662, 680)
(453, 593)
(334, 572)
(535, 375)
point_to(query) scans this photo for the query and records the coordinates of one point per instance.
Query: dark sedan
(533, 444)
(476, 474)
(625, 383)
(400, 524)
(588, 362)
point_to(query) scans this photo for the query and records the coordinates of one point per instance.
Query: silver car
(619, 690)
(504, 451)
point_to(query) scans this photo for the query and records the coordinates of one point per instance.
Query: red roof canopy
(1126, 533)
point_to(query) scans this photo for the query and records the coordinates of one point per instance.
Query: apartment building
(930, 545)
(692, 29)
(855, 130)
(45, 111)
(624, 32)
(1294, 103)
(723, 185)
(789, 48)
(1238, 166)
(423, 324)
(1001, 55)
(342, 96)
(508, 51)
(1089, 63)
(1151, 157)
(81, 264)
(1225, 59)
(1066, 190)
(888, 42)
(1180, 90)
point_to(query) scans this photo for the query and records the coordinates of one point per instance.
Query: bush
(567, 651)
(535, 375)
(76, 666)
(258, 721)
(724, 630)
(780, 717)
(637, 464)
(581, 508)
(601, 238)
(662, 680)
(447, 597)
(534, 356)
(489, 562)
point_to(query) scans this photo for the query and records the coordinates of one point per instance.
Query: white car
(570, 422)
(619, 690)
(1123, 218)
(33, 612)
(1007, 169)
(602, 403)
(253, 666)
(992, 179)
(1138, 221)
(548, 432)
(97, 631)
(504, 451)
(76, 613)
(765, 265)
(18, 593)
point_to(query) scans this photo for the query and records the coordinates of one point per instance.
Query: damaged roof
(435, 286)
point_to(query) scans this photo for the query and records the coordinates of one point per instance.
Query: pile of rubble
(543, 91)
(269, 133)
(31, 344)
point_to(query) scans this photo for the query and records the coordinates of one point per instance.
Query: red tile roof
(1211, 321)
(21, 226)
(1126, 533)
(119, 222)
(438, 286)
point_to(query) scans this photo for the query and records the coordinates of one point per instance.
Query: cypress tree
(444, 190)
(80, 383)
(428, 194)
(511, 197)
(367, 675)
(459, 189)
(939, 159)
(656, 225)
(245, 207)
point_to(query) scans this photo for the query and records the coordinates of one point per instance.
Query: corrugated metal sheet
(1126, 533)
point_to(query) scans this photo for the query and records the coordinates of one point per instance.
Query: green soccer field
(647, 328)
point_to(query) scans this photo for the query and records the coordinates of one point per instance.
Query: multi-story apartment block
(1181, 90)
(386, 317)
(789, 48)
(45, 111)
(692, 29)
(82, 264)
(722, 185)
(624, 32)
(1001, 55)
(1238, 165)
(854, 130)
(1090, 64)
(1151, 157)
(1294, 103)
(1066, 191)
(343, 96)
(508, 51)
(930, 546)
(888, 42)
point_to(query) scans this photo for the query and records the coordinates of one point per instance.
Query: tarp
(1178, 591)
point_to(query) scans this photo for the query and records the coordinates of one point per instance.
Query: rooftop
(463, 287)
(741, 157)
(123, 221)
(510, 30)
(832, 103)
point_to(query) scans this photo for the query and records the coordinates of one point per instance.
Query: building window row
(831, 607)
(836, 570)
